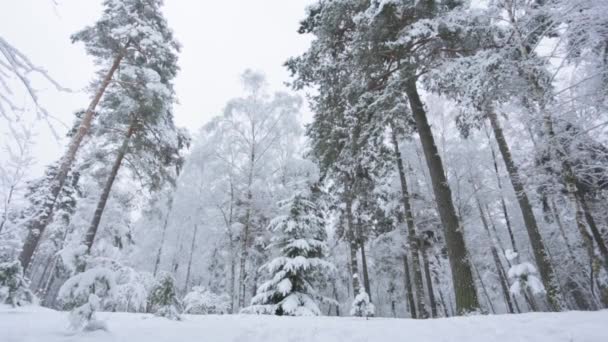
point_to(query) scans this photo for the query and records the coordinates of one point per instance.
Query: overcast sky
(219, 40)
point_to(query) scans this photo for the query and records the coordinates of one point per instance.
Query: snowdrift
(36, 324)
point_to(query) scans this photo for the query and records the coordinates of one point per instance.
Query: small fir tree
(300, 238)
(163, 299)
(86, 293)
(362, 306)
(14, 287)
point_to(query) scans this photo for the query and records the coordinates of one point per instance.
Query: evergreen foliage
(299, 236)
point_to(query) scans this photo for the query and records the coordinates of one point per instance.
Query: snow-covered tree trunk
(497, 263)
(597, 235)
(426, 249)
(38, 223)
(409, 291)
(413, 242)
(503, 204)
(462, 274)
(163, 235)
(366, 283)
(89, 237)
(352, 247)
(538, 247)
(246, 226)
(188, 271)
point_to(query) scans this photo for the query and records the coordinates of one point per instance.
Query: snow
(522, 269)
(33, 324)
(511, 255)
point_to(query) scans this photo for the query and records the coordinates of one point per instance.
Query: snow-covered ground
(35, 324)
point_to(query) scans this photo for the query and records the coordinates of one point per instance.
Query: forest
(455, 163)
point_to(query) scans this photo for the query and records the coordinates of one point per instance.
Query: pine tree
(383, 47)
(300, 238)
(131, 32)
(139, 103)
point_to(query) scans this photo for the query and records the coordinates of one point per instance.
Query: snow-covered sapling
(163, 299)
(14, 287)
(362, 306)
(201, 301)
(300, 238)
(523, 276)
(84, 294)
(132, 288)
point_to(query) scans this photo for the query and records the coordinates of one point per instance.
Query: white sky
(219, 40)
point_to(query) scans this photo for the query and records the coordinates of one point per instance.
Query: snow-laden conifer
(362, 306)
(129, 34)
(201, 301)
(523, 275)
(300, 238)
(163, 299)
(86, 293)
(14, 287)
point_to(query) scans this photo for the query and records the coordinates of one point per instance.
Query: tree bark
(246, 229)
(538, 248)
(353, 248)
(189, 270)
(429, 281)
(7, 203)
(408, 287)
(361, 243)
(597, 236)
(37, 224)
(411, 233)
(462, 275)
(163, 235)
(502, 250)
(497, 263)
(502, 199)
(103, 199)
(484, 289)
(365, 273)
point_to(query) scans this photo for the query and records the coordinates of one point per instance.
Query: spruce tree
(162, 299)
(299, 236)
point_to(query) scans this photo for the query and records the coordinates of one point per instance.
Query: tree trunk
(365, 273)
(361, 244)
(228, 220)
(163, 235)
(462, 275)
(335, 290)
(7, 203)
(499, 269)
(408, 287)
(246, 229)
(411, 233)
(502, 250)
(597, 236)
(503, 205)
(538, 248)
(103, 199)
(353, 248)
(38, 223)
(485, 290)
(429, 281)
(190, 258)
